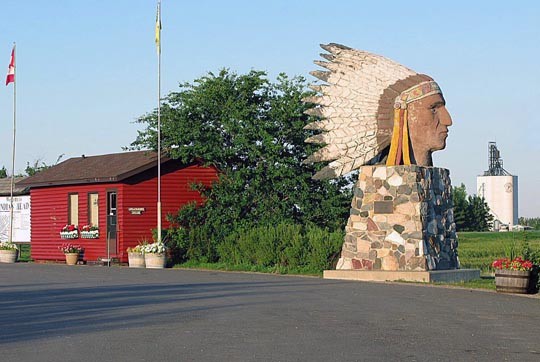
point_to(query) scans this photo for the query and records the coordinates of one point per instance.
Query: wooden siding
(49, 212)
(141, 191)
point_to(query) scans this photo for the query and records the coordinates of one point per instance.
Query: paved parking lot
(88, 313)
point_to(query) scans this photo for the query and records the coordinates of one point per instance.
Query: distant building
(115, 192)
(500, 190)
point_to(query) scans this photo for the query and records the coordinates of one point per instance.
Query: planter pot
(136, 260)
(72, 258)
(8, 256)
(512, 281)
(155, 261)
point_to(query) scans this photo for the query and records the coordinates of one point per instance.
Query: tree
(3, 172)
(471, 213)
(459, 196)
(251, 130)
(533, 222)
(478, 214)
(39, 166)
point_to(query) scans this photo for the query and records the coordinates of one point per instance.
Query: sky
(86, 70)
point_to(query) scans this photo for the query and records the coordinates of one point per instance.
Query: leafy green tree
(459, 196)
(533, 222)
(471, 213)
(3, 172)
(478, 214)
(251, 130)
(36, 167)
(39, 165)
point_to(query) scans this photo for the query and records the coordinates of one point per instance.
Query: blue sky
(87, 69)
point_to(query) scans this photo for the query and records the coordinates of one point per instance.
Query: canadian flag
(11, 70)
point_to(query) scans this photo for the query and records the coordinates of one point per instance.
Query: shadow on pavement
(27, 315)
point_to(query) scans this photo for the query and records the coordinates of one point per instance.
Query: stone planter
(155, 261)
(512, 281)
(8, 256)
(72, 258)
(136, 260)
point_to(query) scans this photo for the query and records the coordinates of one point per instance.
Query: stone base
(401, 219)
(454, 275)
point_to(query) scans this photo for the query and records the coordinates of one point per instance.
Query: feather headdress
(357, 106)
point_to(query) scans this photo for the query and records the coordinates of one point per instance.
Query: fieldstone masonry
(401, 219)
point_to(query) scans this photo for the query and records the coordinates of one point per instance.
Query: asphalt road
(89, 313)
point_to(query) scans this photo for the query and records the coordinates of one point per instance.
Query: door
(111, 223)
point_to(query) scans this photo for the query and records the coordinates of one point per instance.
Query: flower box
(513, 281)
(513, 275)
(8, 252)
(69, 234)
(136, 260)
(94, 234)
(155, 255)
(155, 260)
(90, 232)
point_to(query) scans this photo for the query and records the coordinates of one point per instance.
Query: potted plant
(513, 275)
(71, 252)
(69, 231)
(136, 256)
(155, 256)
(8, 252)
(90, 232)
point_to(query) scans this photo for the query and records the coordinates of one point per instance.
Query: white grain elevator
(500, 190)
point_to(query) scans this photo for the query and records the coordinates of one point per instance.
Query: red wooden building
(115, 192)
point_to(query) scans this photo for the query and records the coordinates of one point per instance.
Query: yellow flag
(158, 27)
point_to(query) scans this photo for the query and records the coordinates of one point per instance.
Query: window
(112, 204)
(93, 209)
(73, 209)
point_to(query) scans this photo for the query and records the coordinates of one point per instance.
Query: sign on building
(21, 218)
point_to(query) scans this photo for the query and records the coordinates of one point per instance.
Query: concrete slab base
(455, 275)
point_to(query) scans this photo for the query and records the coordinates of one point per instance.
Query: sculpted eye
(434, 109)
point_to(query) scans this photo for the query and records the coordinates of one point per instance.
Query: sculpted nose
(444, 117)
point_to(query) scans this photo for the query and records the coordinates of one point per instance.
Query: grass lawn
(478, 250)
(247, 268)
(485, 282)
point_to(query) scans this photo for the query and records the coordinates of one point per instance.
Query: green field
(478, 249)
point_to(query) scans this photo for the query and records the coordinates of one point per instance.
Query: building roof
(95, 169)
(5, 186)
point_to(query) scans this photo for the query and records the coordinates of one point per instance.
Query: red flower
(517, 264)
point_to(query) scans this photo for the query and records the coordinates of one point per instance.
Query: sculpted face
(428, 121)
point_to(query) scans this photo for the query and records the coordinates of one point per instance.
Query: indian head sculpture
(385, 120)
(372, 108)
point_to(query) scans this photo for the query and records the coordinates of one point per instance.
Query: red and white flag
(11, 70)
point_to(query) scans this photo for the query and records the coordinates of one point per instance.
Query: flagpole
(158, 43)
(13, 150)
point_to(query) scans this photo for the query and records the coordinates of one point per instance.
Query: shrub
(285, 246)
(195, 244)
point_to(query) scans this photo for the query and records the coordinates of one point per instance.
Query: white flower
(156, 248)
(6, 245)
